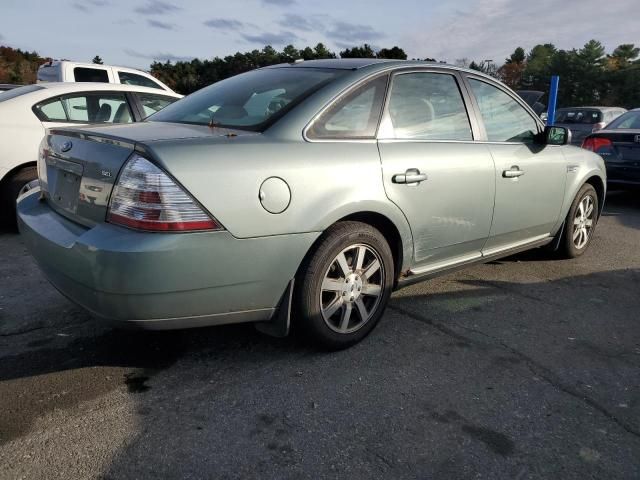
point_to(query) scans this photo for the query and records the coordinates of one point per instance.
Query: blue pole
(553, 98)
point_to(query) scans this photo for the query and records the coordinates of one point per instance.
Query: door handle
(513, 172)
(411, 176)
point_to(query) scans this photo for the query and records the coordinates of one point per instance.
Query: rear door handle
(513, 172)
(411, 176)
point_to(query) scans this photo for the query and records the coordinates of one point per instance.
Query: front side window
(83, 74)
(505, 120)
(355, 115)
(152, 103)
(427, 106)
(85, 108)
(128, 78)
(232, 102)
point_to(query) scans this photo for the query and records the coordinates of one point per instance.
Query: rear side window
(152, 103)
(578, 116)
(49, 73)
(85, 108)
(355, 115)
(505, 120)
(84, 74)
(139, 80)
(426, 106)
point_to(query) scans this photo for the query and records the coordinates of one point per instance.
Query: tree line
(588, 76)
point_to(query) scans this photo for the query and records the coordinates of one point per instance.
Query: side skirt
(414, 277)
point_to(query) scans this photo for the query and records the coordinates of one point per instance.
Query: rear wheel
(12, 189)
(344, 287)
(580, 223)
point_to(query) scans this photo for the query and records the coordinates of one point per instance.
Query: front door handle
(411, 176)
(513, 172)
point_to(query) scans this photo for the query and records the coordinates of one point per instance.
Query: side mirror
(556, 135)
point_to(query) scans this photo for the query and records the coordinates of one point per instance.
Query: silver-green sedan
(304, 194)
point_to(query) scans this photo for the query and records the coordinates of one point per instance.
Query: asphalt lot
(523, 368)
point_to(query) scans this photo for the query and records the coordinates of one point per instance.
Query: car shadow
(273, 365)
(54, 372)
(624, 205)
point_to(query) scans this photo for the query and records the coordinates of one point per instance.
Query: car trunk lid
(622, 156)
(77, 173)
(78, 168)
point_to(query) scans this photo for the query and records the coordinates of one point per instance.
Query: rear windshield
(16, 92)
(578, 116)
(627, 120)
(251, 101)
(49, 73)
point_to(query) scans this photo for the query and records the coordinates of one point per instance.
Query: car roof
(70, 87)
(336, 63)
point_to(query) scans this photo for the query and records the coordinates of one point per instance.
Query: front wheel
(344, 287)
(580, 223)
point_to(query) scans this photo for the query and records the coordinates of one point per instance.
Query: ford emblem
(66, 146)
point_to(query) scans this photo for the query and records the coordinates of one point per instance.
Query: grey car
(302, 194)
(582, 121)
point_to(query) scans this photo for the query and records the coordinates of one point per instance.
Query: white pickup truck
(66, 71)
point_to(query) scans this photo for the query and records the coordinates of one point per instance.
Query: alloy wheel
(583, 222)
(352, 288)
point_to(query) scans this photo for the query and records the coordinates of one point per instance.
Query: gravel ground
(523, 368)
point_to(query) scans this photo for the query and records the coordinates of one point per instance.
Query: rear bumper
(161, 280)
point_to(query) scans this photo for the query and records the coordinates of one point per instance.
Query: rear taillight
(146, 198)
(598, 126)
(595, 143)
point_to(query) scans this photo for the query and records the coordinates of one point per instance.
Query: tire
(10, 191)
(579, 219)
(322, 287)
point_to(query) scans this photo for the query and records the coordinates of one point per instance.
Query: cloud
(159, 56)
(279, 3)
(492, 29)
(86, 5)
(225, 24)
(299, 22)
(162, 25)
(352, 32)
(268, 38)
(156, 7)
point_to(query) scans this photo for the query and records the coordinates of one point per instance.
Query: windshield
(251, 101)
(627, 120)
(16, 92)
(569, 115)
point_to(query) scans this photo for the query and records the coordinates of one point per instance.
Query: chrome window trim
(337, 98)
(438, 71)
(493, 82)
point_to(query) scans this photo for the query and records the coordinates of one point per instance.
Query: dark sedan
(619, 146)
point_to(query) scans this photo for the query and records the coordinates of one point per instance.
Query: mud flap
(279, 325)
(555, 244)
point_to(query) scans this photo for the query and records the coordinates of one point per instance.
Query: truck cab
(66, 71)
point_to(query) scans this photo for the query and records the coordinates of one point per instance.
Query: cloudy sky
(135, 32)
